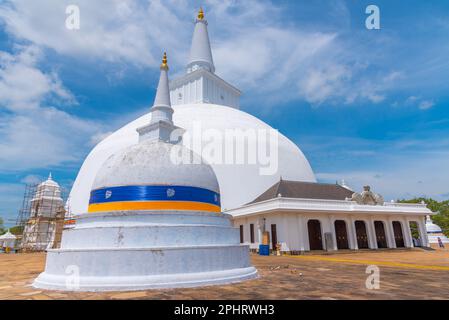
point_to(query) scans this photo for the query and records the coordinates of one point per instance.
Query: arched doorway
(416, 234)
(341, 234)
(380, 234)
(398, 235)
(361, 234)
(315, 238)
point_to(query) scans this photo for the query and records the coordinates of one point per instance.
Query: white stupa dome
(434, 232)
(432, 227)
(151, 167)
(7, 240)
(203, 101)
(150, 163)
(239, 183)
(49, 182)
(8, 236)
(48, 188)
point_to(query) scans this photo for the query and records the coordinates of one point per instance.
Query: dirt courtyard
(409, 274)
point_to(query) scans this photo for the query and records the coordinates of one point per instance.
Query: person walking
(440, 243)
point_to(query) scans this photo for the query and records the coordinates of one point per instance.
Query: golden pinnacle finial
(164, 64)
(201, 14)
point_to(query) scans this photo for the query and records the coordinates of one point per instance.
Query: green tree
(2, 228)
(440, 207)
(16, 230)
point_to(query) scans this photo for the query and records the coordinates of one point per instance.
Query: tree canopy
(16, 230)
(440, 207)
(2, 228)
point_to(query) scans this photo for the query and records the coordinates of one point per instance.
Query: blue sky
(367, 106)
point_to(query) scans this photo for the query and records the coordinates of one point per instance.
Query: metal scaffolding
(25, 211)
(41, 217)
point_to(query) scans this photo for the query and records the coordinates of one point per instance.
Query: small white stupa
(434, 232)
(47, 206)
(8, 241)
(152, 222)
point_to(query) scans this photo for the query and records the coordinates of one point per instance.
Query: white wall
(292, 229)
(203, 89)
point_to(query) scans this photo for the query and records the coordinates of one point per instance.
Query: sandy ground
(411, 274)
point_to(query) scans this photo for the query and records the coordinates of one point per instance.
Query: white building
(202, 99)
(151, 223)
(314, 216)
(46, 217)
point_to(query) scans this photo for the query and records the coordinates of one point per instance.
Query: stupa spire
(200, 51)
(161, 125)
(162, 98)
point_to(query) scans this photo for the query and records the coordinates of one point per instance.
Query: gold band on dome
(153, 205)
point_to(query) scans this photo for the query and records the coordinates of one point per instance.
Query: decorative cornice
(327, 206)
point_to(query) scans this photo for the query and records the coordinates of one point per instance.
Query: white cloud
(254, 47)
(116, 31)
(418, 101)
(35, 135)
(398, 168)
(100, 136)
(393, 76)
(426, 104)
(22, 85)
(32, 179)
(320, 84)
(411, 100)
(279, 62)
(43, 138)
(425, 175)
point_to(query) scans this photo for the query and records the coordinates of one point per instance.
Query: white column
(390, 233)
(303, 234)
(371, 233)
(332, 231)
(352, 235)
(285, 236)
(246, 236)
(306, 234)
(423, 232)
(259, 230)
(407, 233)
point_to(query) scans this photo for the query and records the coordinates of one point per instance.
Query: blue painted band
(154, 193)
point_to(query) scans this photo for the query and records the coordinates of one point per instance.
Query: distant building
(46, 218)
(434, 232)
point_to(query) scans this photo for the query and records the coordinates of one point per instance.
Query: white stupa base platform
(134, 283)
(127, 251)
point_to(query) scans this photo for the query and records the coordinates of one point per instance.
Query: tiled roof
(305, 190)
